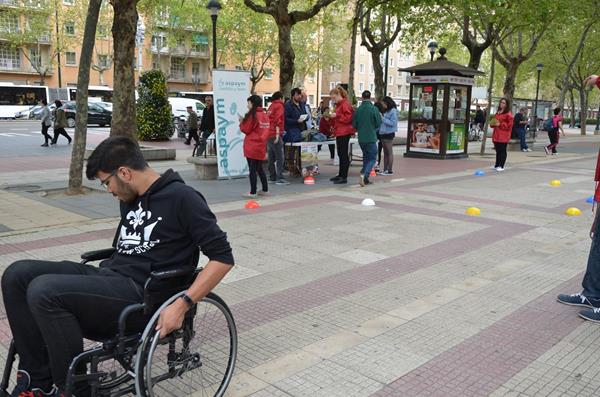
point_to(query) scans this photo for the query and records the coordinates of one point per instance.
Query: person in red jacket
(255, 144)
(275, 141)
(502, 131)
(326, 128)
(343, 130)
(589, 297)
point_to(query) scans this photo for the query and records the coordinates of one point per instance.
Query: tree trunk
(286, 58)
(583, 104)
(123, 30)
(509, 82)
(572, 109)
(489, 104)
(351, 69)
(565, 80)
(378, 71)
(81, 115)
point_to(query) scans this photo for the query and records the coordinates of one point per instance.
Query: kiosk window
(422, 101)
(439, 108)
(457, 109)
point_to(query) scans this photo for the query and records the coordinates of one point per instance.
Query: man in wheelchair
(52, 306)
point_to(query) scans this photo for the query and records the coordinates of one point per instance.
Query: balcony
(195, 79)
(181, 51)
(4, 68)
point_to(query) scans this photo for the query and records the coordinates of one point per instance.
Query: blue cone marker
(479, 173)
(590, 200)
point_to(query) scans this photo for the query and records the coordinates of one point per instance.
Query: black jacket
(208, 119)
(162, 229)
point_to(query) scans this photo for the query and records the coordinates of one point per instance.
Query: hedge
(154, 120)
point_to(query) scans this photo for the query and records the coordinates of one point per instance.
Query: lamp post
(432, 46)
(214, 7)
(539, 68)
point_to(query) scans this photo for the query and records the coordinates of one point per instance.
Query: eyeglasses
(104, 183)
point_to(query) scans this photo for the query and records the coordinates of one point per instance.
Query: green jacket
(60, 120)
(366, 121)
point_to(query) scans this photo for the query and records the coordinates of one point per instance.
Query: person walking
(255, 124)
(387, 132)
(326, 128)
(554, 132)
(275, 141)
(46, 122)
(367, 119)
(479, 117)
(192, 123)
(502, 131)
(519, 127)
(60, 123)
(207, 124)
(343, 130)
(381, 108)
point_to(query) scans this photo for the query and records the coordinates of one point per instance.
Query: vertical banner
(231, 89)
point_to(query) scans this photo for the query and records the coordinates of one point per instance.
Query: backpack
(548, 125)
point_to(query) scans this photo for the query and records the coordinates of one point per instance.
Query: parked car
(179, 105)
(25, 114)
(106, 105)
(36, 112)
(96, 114)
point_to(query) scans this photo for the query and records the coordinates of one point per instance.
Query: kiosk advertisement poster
(231, 89)
(425, 137)
(456, 139)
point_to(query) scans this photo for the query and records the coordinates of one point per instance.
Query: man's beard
(126, 193)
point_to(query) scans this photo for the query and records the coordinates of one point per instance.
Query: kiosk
(440, 98)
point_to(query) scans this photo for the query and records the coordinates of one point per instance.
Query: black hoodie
(162, 229)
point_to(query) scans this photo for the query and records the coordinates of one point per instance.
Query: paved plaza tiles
(408, 298)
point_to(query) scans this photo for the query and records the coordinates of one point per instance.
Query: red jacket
(503, 130)
(276, 118)
(255, 142)
(342, 122)
(597, 179)
(326, 127)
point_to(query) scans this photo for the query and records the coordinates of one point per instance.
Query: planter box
(150, 153)
(206, 167)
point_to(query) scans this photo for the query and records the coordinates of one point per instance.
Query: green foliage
(153, 109)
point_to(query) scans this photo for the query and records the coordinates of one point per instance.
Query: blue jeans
(522, 139)
(369, 151)
(591, 279)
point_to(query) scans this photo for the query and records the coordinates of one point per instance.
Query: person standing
(294, 119)
(519, 126)
(255, 124)
(366, 121)
(60, 123)
(381, 108)
(554, 133)
(207, 124)
(502, 131)
(309, 120)
(326, 128)
(46, 122)
(479, 117)
(387, 132)
(343, 130)
(275, 141)
(192, 123)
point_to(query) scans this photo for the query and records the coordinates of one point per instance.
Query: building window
(311, 78)
(70, 28)
(361, 68)
(362, 50)
(201, 48)
(103, 61)
(361, 87)
(238, 67)
(371, 87)
(102, 32)
(372, 71)
(311, 99)
(9, 58)
(71, 58)
(68, 2)
(268, 74)
(391, 62)
(159, 42)
(9, 23)
(35, 58)
(155, 63)
(195, 72)
(331, 68)
(177, 68)
(332, 85)
(390, 80)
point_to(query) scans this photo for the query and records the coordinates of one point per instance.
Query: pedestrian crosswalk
(37, 134)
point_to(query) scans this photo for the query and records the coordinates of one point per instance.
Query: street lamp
(432, 46)
(214, 7)
(539, 68)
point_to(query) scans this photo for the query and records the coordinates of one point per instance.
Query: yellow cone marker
(573, 211)
(473, 211)
(555, 183)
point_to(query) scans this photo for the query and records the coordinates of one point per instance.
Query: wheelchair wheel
(197, 360)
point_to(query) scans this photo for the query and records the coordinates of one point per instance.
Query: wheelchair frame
(130, 350)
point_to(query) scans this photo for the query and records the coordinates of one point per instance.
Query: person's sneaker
(367, 181)
(271, 181)
(335, 178)
(578, 300)
(529, 150)
(524, 150)
(592, 315)
(499, 169)
(263, 193)
(340, 181)
(546, 150)
(493, 167)
(23, 383)
(387, 173)
(555, 154)
(250, 195)
(44, 145)
(282, 182)
(361, 180)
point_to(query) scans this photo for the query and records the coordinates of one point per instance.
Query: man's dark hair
(296, 91)
(366, 94)
(276, 95)
(115, 152)
(557, 111)
(44, 102)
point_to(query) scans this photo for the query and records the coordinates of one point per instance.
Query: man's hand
(171, 318)
(276, 141)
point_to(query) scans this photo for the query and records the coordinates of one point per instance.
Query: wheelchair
(196, 360)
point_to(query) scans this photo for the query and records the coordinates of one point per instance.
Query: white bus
(96, 93)
(197, 95)
(16, 98)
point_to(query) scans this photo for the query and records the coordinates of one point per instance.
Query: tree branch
(257, 8)
(299, 16)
